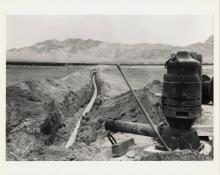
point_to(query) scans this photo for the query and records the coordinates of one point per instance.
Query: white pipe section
(72, 138)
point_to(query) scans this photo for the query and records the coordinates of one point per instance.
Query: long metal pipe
(144, 111)
(116, 125)
(129, 127)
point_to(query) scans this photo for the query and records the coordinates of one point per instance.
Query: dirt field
(138, 76)
(16, 73)
(44, 104)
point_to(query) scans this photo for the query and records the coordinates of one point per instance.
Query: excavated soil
(41, 114)
(38, 110)
(185, 155)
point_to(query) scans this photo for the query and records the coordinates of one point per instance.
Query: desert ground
(44, 103)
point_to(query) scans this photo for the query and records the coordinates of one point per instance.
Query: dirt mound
(110, 81)
(78, 152)
(36, 110)
(185, 155)
(122, 107)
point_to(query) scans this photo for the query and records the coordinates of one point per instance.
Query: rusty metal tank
(181, 102)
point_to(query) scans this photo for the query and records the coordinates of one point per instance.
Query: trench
(42, 113)
(72, 138)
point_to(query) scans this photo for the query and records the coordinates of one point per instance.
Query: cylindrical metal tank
(182, 90)
(207, 89)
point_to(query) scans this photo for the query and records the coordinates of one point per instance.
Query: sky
(181, 30)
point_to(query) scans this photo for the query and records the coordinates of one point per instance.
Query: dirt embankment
(36, 110)
(185, 155)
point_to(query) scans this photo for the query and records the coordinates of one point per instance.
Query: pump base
(180, 138)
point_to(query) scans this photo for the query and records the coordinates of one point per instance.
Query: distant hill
(89, 51)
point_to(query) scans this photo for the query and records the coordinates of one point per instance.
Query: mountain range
(93, 51)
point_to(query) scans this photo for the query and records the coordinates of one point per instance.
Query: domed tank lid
(182, 58)
(183, 55)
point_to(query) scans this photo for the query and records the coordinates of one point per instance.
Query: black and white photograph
(109, 87)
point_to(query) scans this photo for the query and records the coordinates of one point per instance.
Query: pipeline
(115, 125)
(174, 138)
(72, 138)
